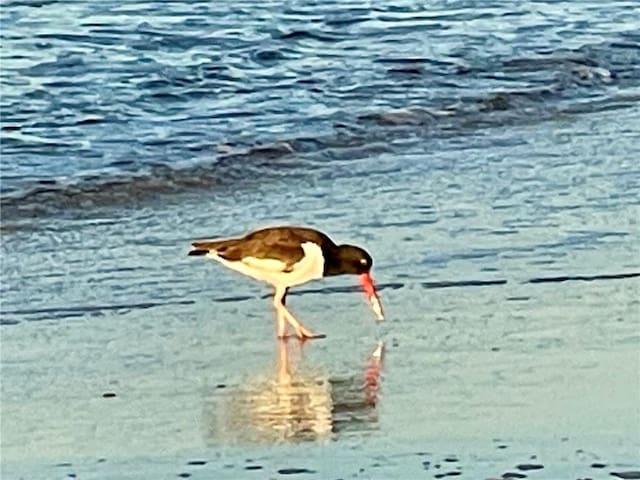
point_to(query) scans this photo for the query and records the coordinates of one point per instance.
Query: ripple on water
(331, 59)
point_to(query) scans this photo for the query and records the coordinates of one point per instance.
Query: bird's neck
(333, 262)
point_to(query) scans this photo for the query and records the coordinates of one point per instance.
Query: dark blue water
(105, 103)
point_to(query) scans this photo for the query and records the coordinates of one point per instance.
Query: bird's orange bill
(370, 291)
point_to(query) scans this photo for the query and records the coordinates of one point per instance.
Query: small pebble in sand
(451, 459)
(221, 385)
(197, 462)
(529, 466)
(108, 395)
(294, 471)
(513, 475)
(630, 475)
(598, 465)
(184, 475)
(253, 467)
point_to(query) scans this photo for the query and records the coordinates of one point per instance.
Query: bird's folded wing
(271, 256)
(266, 264)
(269, 251)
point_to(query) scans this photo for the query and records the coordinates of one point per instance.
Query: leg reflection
(297, 402)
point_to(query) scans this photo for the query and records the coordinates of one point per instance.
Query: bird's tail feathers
(205, 247)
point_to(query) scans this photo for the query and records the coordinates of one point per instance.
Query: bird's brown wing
(273, 249)
(290, 237)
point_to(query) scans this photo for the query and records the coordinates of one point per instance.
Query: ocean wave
(157, 114)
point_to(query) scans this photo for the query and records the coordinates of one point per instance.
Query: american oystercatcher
(289, 256)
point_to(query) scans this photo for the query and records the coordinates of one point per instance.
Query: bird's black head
(356, 261)
(350, 259)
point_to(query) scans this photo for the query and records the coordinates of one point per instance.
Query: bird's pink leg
(282, 313)
(282, 324)
(302, 332)
(278, 303)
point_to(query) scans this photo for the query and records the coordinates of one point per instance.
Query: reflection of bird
(295, 404)
(289, 256)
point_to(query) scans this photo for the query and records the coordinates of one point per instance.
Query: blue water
(103, 101)
(484, 153)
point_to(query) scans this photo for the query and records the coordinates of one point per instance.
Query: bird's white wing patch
(267, 264)
(312, 264)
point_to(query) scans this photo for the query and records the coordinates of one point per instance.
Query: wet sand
(523, 393)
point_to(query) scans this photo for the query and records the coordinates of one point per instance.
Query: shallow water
(504, 230)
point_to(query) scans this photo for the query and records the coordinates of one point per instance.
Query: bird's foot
(304, 334)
